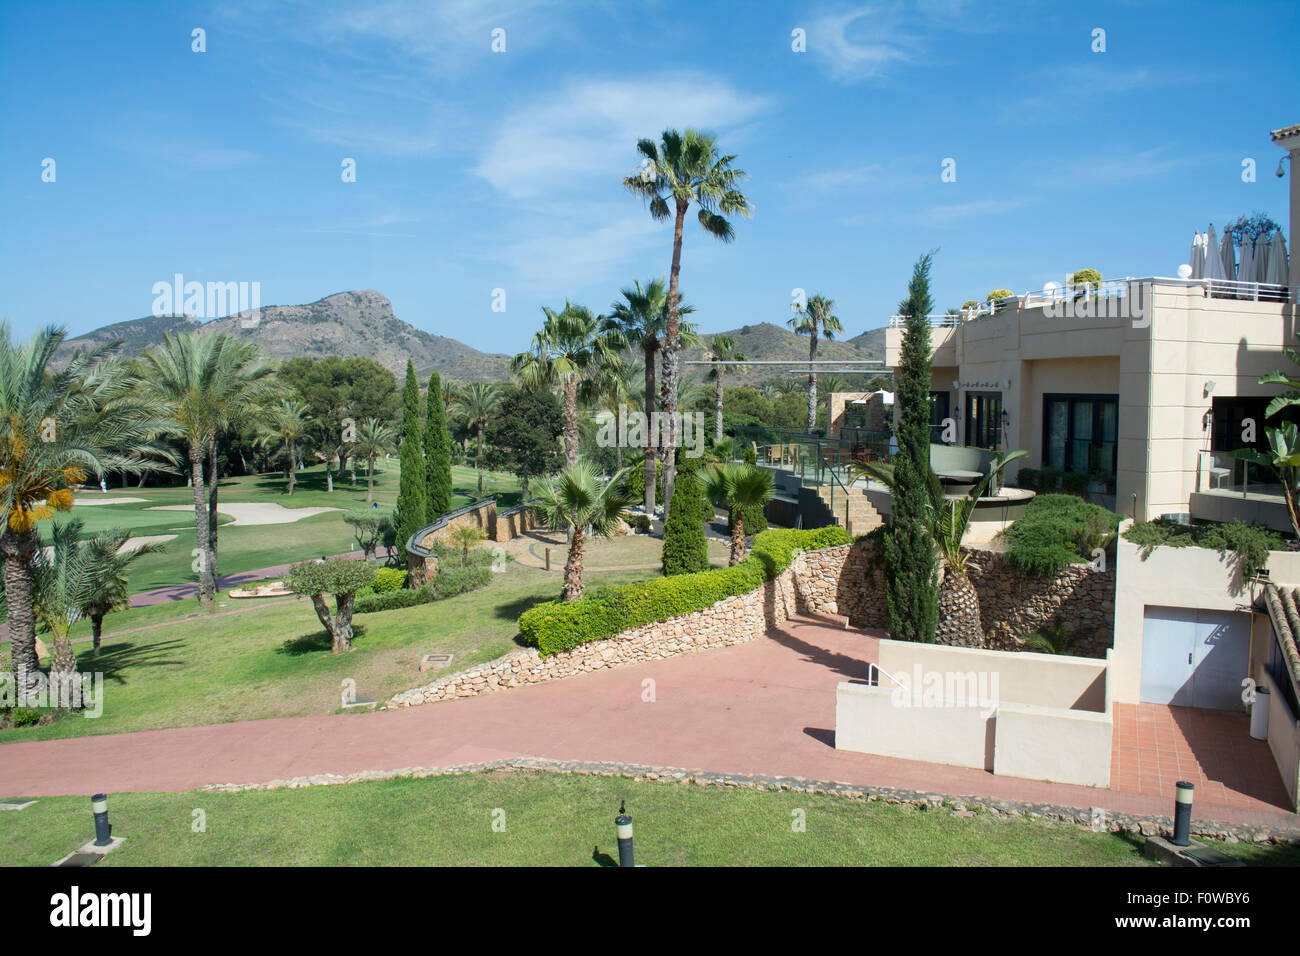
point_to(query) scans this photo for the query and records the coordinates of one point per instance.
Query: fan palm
(205, 385)
(641, 318)
(287, 424)
(570, 346)
(466, 536)
(478, 403)
(612, 392)
(374, 438)
(817, 318)
(577, 500)
(736, 486)
(722, 349)
(685, 168)
(947, 520)
(55, 429)
(106, 558)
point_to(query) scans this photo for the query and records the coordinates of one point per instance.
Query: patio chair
(1217, 472)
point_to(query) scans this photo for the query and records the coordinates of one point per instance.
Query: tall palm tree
(816, 319)
(570, 346)
(736, 487)
(577, 500)
(287, 425)
(641, 318)
(947, 520)
(612, 391)
(374, 438)
(680, 169)
(478, 402)
(205, 385)
(55, 429)
(722, 350)
(107, 558)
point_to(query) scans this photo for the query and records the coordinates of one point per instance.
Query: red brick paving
(1156, 746)
(767, 707)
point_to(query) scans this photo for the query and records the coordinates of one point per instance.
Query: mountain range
(362, 323)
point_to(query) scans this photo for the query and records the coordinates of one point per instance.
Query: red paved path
(766, 707)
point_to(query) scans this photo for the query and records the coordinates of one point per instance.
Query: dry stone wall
(849, 580)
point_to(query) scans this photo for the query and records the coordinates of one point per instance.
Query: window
(1079, 433)
(939, 410)
(984, 419)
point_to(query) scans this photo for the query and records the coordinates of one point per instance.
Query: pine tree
(412, 503)
(686, 550)
(911, 593)
(437, 451)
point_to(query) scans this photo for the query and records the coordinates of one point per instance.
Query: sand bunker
(255, 512)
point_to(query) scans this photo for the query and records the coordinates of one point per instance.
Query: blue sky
(479, 170)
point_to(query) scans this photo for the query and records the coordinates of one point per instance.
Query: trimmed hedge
(560, 626)
(448, 582)
(389, 579)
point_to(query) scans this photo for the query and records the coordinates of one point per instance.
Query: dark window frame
(1098, 399)
(937, 416)
(973, 440)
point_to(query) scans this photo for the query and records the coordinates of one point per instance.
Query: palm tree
(478, 403)
(577, 500)
(570, 346)
(722, 349)
(205, 384)
(947, 520)
(771, 391)
(287, 424)
(681, 169)
(815, 319)
(55, 429)
(611, 392)
(736, 487)
(467, 536)
(374, 438)
(106, 558)
(642, 321)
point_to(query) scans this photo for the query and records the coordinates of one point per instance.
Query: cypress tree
(412, 504)
(912, 597)
(686, 550)
(437, 451)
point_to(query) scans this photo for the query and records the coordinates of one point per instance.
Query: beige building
(1147, 388)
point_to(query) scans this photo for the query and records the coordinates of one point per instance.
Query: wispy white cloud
(577, 254)
(827, 180)
(588, 130)
(944, 215)
(860, 42)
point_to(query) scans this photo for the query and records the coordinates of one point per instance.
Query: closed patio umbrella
(1246, 264)
(1228, 256)
(1213, 261)
(1195, 260)
(1277, 261)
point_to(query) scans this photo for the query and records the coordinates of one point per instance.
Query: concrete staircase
(862, 515)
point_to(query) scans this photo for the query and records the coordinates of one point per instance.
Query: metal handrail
(874, 668)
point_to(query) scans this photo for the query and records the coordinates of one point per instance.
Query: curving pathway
(766, 707)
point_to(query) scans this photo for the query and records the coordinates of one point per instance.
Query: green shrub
(389, 579)
(639, 522)
(390, 600)
(1249, 543)
(560, 626)
(1056, 531)
(686, 549)
(453, 580)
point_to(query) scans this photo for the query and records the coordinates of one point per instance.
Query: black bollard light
(623, 826)
(1183, 813)
(103, 829)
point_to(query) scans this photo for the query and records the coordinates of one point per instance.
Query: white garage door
(1194, 658)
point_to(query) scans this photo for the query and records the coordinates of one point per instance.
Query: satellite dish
(1184, 271)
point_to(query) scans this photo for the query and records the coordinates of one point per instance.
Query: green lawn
(449, 821)
(247, 548)
(273, 660)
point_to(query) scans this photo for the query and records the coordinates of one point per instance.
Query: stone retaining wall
(849, 580)
(735, 620)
